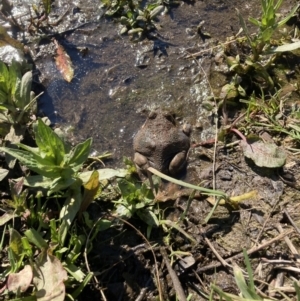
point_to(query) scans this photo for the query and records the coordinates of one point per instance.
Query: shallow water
(118, 78)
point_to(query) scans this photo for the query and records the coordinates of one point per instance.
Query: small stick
(291, 221)
(288, 242)
(251, 251)
(223, 262)
(177, 285)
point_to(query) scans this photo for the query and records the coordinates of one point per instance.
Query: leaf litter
(63, 62)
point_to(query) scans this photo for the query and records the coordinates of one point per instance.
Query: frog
(160, 143)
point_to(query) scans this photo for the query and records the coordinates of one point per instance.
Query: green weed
(265, 46)
(17, 101)
(135, 16)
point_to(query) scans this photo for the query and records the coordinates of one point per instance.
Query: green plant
(17, 101)
(248, 290)
(47, 264)
(55, 162)
(136, 17)
(272, 113)
(264, 49)
(267, 25)
(50, 245)
(137, 198)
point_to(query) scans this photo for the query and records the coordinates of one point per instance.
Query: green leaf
(78, 154)
(47, 6)
(124, 211)
(284, 48)
(249, 270)
(14, 80)
(85, 282)
(277, 5)
(127, 189)
(297, 289)
(104, 174)
(148, 217)
(35, 238)
(244, 26)
(75, 271)
(60, 184)
(247, 291)
(69, 211)
(204, 191)
(267, 34)
(4, 80)
(25, 90)
(38, 181)
(254, 21)
(49, 143)
(34, 163)
(156, 11)
(15, 244)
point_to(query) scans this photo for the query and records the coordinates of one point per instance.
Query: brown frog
(161, 144)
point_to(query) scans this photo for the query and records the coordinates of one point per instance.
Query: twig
(291, 221)
(177, 285)
(222, 261)
(86, 260)
(289, 243)
(143, 291)
(276, 261)
(193, 55)
(251, 251)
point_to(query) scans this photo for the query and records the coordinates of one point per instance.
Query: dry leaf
(20, 281)
(48, 277)
(264, 154)
(63, 62)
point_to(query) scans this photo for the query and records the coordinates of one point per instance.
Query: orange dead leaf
(63, 62)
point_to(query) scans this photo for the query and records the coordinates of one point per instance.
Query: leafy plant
(261, 42)
(248, 291)
(136, 198)
(135, 16)
(17, 101)
(56, 163)
(264, 49)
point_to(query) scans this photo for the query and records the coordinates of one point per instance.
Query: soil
(116, 83)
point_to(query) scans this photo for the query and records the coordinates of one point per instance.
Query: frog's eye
(170, 117)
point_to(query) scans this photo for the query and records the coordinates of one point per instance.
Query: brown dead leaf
(20, 281)
(264, 154)
(63, 62)
(48, 277)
